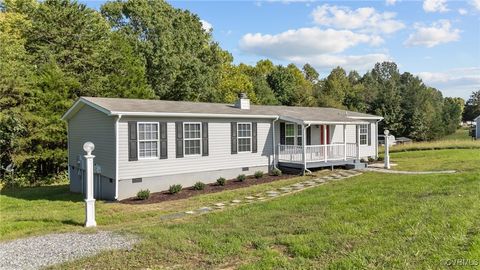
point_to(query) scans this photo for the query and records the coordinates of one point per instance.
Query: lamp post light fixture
(89, 201)
(387, 154)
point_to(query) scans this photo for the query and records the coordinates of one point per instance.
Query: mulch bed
(209, 188)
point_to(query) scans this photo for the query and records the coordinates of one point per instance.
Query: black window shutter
(254, 137)
(309, 136)
(204, 139)
(369, 134)
(132, 141)
(233, 136)
(163, 140)
(282, 133)
(179, 139)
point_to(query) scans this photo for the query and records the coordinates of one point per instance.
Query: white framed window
(363, 134)
(147, 134)
(244, 137)
(289, 134)
(299, 135)
(192, 138)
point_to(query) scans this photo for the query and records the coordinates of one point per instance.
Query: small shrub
(199, 186)
(221, 181)
(258, 174)
(175, 188)
(143, 194)
(276, 172)
(241, 177)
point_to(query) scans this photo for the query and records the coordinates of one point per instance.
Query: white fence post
(387, 154)
(89, 201)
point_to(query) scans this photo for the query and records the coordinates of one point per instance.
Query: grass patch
(371, 221)
(437, 160)
(39, 210)
(459, 140)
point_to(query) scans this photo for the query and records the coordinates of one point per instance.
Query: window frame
(238, 137)
(292, 136)
(144, 140)
(190, 139)
(299, 134)
(363, 133)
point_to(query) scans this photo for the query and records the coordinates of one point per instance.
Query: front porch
(314, 145)
(317, 156)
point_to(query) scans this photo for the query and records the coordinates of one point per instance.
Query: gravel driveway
(41, 251)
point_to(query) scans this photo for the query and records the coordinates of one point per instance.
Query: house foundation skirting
(129, 187)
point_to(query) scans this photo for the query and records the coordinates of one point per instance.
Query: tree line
(55, 51)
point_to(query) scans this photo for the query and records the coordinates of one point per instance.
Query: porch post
(304, 148)
(358, 141)
(325, 142)
(344, 142)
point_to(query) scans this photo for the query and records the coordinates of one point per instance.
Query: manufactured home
(152, 144)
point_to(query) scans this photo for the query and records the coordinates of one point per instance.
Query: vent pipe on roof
(243, 102)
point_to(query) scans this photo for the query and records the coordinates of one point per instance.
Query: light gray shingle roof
(146, 107)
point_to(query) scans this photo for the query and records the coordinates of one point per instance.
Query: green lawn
(366, 222)
(40, 210)
(437, 160)
(371, 221)
(459, 140)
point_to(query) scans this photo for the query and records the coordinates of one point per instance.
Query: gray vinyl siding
(219, 157)
(92, 125)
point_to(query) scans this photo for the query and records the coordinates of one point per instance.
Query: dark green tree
(182, 61)
(472, 107)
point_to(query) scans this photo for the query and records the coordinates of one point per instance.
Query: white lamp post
(387, 154)
(89, 201)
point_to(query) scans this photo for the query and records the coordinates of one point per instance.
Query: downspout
(304, 144)
(116, 155)
(273, 143)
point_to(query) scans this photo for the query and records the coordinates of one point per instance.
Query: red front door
(322, 138)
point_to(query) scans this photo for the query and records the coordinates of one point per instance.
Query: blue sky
(439, 40)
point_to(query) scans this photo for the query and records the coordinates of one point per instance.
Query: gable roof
(142, 107)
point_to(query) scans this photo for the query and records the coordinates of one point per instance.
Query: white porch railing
(313, 153)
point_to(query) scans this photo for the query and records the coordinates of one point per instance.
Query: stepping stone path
(309, 183)
(298, 186)
(204, 209)
(336, 176)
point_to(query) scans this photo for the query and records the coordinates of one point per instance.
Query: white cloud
(476, 4)
(304, 42)
(390, 2)
(460, 82)
(462, 11)
(365, 19)
(360, 63)
(435, 5)
(430, 36)
(206, 26)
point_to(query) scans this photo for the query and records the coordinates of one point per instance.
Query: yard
(369, 221)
